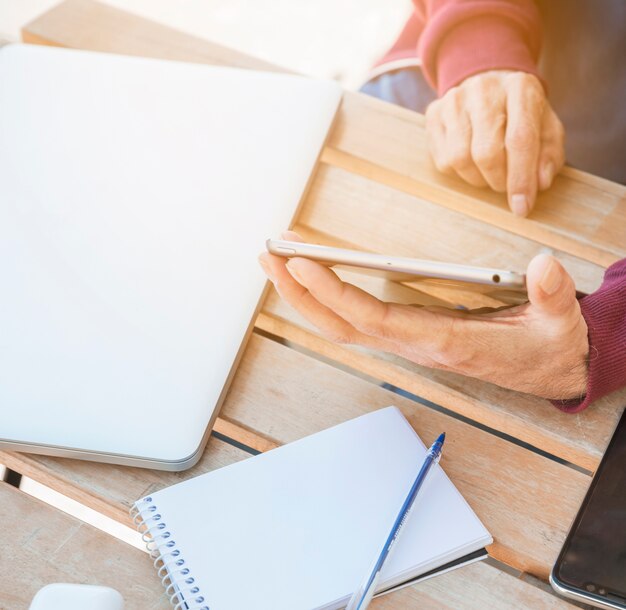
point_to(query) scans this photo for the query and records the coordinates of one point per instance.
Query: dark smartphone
(592, 564)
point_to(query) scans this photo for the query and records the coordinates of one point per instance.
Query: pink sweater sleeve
(605, 314)
(464, 37)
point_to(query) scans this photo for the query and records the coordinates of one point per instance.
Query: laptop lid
(135, 196)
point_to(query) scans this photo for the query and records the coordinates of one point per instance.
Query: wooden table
(375, 189)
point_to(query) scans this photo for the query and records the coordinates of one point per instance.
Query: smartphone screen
(593, 558)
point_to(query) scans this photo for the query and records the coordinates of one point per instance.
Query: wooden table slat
(42, 545)
(108, 488)
(350, 207)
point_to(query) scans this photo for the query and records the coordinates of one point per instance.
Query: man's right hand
(497, 129)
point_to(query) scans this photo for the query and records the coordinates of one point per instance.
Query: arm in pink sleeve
(464, 37)
(605, 314)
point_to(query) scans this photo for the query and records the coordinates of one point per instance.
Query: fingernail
(291, 267)
(547, 174)
(519, 205)
(551, 278)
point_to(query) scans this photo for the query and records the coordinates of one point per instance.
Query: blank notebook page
(298, 527)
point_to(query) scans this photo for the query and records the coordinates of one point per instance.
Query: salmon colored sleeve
(464, 37)
(605, 314)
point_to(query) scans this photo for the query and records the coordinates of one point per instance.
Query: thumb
(550, 288)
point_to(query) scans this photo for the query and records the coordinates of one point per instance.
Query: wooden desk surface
(535, 462)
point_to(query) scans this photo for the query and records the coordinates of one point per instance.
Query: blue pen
(363, 595)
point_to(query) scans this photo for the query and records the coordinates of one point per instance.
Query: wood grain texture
(93, 26)
(111, 489)
(42, 545)
(479, 586)
(242, 435)
(49, 546)
(351, 207)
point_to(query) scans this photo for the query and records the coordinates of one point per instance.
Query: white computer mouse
(63, 596)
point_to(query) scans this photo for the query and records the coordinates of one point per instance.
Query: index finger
(525, 105)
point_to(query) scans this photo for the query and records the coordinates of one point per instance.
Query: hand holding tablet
(549, 331)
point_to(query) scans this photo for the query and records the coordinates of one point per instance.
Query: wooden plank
(479, 585)
(348, 208)
(581, 215)
(111, 490)
(93, 26)
(283, 395)
(242, 435)
(579, 438)
(43, 545)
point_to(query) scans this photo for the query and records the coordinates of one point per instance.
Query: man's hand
(497, 129)
(539, 348)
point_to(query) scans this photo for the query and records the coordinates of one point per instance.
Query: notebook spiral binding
(176, 577)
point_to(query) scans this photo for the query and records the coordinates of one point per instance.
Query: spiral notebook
(296, 528)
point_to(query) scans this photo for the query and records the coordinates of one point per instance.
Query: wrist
(467, 50)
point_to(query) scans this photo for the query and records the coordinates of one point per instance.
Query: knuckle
(514, 81)
(371, 329)
(459, 158)
(483, 87)
(522, 138)
(454, 352)
(457, 100)
(452, 94)
(488, 155)
(534, 90)
(375, 325)
(340, 337)
(551, 153)
(524, 80)
(452, 107)
(443, 167)
(526, 87)
(558, 129)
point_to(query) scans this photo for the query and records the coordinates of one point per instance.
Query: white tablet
(399, 268)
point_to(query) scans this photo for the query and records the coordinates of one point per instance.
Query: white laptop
(135, 197)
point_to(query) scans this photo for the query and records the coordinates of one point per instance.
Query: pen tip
(442, 437)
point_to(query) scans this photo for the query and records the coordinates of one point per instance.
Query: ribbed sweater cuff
(478, 45)
(605, 314)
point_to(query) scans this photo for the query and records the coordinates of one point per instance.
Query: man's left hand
(539, 348)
